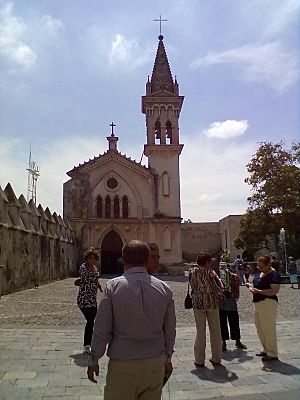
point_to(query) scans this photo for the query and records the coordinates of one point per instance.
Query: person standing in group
(153, 262)
(275, 263)
(292, 269)
(266, 285)
(228, 310)
(136, 318)
(206, 288)
(247, 271)
(239, 268)
(87, 295)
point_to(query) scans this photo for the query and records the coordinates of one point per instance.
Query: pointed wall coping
(3, 195)
(49, 215)
(10, 194)
(34, 208)
(62, 221)
(42, 212)
(58, 219)
(24, 205)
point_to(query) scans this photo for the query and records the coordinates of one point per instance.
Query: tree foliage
(274, 176)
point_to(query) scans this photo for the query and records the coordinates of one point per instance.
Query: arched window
(157, 131)
(107, 207)
(167, 238)
(169, 132)
(165, 184)
(99, 207)
(125, 211)
(116, 207)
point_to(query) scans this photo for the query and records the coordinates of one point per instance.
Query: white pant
(213, 319)
(265, 323)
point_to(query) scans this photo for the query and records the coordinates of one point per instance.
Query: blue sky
(69, 68)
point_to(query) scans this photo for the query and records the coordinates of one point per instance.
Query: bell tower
(162, 105)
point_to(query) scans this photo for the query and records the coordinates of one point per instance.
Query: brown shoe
(199, 365)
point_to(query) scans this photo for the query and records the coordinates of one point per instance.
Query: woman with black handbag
(206, 288)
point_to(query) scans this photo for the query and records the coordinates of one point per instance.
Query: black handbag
(188, 303)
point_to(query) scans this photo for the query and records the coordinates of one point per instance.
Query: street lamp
(283, 244)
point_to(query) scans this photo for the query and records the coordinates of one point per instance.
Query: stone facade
(213, 237)
(36, 246)
(112, 199)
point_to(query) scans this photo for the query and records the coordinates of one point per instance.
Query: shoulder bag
(188, 303)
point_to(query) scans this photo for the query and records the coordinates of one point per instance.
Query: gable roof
(109, 155)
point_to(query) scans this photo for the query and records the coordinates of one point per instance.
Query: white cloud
(128, 52)
(53, 25)
(12, 46)
(269, 63)
(212, 178)
(282, 16)
(227, 129)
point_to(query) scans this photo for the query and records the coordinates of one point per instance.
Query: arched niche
(167, 238)
(139, 234)
(165, 181)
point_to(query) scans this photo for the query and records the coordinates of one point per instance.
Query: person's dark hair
(153, 246)
(203, 258)
(91, 252)
(264, 259)
(136, 253)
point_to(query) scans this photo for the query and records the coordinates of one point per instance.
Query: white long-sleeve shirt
(136, 318)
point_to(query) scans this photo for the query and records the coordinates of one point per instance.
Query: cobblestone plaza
(41, 357)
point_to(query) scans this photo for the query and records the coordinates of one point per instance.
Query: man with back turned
(136, 318)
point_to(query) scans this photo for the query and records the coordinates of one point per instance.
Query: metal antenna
(33, 174)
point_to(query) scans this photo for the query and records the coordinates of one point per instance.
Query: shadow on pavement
(81, 359)
(220, 374)
(236, 354)
(281, 367)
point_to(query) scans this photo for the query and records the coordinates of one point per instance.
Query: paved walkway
(45, 361)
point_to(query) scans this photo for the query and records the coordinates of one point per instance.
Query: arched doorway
(111, 253)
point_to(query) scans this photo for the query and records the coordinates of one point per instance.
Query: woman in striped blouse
(206, 288)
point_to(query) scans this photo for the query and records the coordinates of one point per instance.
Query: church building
(112, 199)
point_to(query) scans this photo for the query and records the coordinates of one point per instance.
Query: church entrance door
(111, 254)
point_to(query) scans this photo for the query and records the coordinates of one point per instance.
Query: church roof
(161, 75)
(104, 155)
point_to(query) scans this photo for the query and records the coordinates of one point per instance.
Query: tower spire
(161, 75)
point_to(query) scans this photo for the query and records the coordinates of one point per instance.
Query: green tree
(274, 176)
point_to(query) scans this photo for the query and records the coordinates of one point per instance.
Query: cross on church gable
(112, 125)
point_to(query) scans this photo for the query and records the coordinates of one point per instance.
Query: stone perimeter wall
(36, 246)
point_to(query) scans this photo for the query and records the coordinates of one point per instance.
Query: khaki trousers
(135, 379)
(265, 323)
(212, 316)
